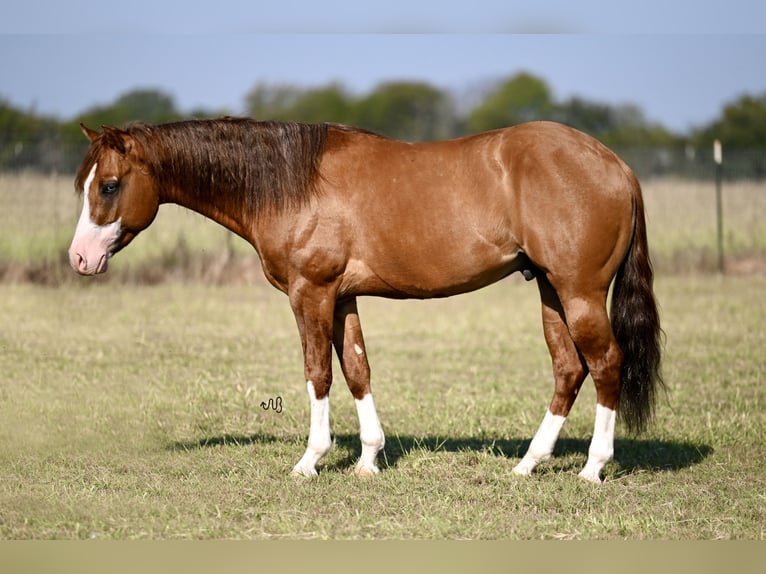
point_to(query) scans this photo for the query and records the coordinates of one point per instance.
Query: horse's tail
(636, 326)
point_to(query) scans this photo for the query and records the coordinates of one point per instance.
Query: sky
(680, 61)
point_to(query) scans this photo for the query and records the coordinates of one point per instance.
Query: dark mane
(257, 166)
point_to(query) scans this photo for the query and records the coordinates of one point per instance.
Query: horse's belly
(427, 275)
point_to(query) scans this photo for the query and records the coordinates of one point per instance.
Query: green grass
(134, 412)
(681, 221)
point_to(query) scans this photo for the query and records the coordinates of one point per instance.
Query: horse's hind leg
(349, 346)
(591, 331)
(569, 371)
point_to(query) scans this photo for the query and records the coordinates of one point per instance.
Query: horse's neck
(219, 211)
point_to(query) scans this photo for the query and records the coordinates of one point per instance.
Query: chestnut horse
(336, 212)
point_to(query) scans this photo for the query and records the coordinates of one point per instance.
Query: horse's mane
(256, 166)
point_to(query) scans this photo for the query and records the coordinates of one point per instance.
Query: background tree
(270, 102)
(741, 129)
(418, 111)
(522, 98)
(592, 118)
(329, 103)
(412, 111)
(28, 140)
(742, 125)
(145, 105)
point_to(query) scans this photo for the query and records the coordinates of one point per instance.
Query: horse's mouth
(103, 264)
(81, 264)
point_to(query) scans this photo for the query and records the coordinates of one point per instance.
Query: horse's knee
(321, 381)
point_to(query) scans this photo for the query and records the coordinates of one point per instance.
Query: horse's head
(120, 199)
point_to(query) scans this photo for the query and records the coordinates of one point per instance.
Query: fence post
(718, 157)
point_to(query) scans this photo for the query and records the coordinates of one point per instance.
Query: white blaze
(90, 249)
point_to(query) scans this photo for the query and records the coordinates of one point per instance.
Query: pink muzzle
(92, 246)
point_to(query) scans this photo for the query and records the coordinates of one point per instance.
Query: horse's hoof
(522, 469)
(303, 473)
(365, 472)
(590, 476)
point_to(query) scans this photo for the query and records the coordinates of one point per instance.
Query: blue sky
(680, 61)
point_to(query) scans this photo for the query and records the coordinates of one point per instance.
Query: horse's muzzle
(83, 266)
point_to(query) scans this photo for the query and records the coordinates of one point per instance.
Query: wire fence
(690, 230)
(62, 154)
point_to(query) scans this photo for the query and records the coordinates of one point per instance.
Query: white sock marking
(542, 444)
(601, 445)
(370, 433)
(320, 440)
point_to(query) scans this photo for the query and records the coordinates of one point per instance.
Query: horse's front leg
(313, 307)
(349, 346)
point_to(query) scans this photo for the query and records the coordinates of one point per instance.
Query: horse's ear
(89, 133)
(118, 139)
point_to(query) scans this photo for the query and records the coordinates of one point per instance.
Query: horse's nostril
(82, 263)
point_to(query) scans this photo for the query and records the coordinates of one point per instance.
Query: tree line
(413, 111)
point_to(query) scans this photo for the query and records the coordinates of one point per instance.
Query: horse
(336, 212)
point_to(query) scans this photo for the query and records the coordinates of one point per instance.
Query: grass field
(134, 412)
(130, 409)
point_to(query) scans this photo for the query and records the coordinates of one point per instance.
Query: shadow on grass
(226, 440)
(631, 454)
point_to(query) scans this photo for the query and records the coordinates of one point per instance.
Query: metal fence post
(718, 157)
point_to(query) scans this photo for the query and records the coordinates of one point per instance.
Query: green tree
(741, 129)
(330, 103)
(522, 98)
(28, 140)
(742, 125)
(145, 105)
(592, 118)
(268, 102)
(619, 126)
(325, 104)
(413, 111)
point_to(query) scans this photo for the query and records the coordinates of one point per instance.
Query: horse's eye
(110, 187)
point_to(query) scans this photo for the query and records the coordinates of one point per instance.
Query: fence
(38, 211)
(60, 153)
